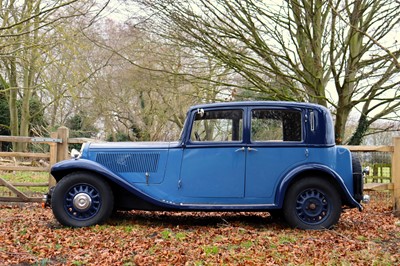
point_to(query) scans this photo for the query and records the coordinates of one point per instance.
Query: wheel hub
(312, 206)
(82, 201)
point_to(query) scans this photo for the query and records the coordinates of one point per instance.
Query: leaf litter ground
(30, 235)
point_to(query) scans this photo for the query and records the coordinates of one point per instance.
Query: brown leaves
(30, 235)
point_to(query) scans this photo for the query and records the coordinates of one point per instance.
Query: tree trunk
(362, 128)
(28, 75)
(340, 125)
(12, 102)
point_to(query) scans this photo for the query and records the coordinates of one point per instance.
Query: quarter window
(217, 126)
(276, 125)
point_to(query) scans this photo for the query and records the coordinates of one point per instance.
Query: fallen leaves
(31, 235)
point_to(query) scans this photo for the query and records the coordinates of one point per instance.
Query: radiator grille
(129, 162)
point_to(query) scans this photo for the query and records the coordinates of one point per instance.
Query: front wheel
(312, 203)
(82, 199)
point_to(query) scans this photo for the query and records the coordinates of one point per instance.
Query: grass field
(25, 177)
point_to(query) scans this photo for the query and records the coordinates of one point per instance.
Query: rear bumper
(366, 199)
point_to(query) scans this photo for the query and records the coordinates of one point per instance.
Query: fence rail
(394, 185)
(59, 141)
(370, 148)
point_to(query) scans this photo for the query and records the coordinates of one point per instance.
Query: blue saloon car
(277, 157)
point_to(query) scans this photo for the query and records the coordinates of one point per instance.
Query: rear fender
(302, 171)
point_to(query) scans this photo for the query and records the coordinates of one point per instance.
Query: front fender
(63, 168)
(313, 168)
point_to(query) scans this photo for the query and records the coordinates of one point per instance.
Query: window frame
(276, 142)
(189, 142)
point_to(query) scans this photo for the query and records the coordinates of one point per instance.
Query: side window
(217, 126)
(276, 125)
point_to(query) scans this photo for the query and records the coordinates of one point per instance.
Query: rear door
(276, 145)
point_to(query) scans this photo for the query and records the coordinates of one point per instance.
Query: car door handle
(251, 149)
(240, 149)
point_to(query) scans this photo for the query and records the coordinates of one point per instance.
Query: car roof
(261, 103)
(323, 135)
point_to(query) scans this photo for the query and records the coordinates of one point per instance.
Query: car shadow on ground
(189, 219)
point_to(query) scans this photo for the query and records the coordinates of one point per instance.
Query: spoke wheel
(312, 203)
(312, 206)
(82, 202)
(82, 199)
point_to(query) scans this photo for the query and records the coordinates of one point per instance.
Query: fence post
(62, 148)
(58, 151)
(396, 175)
(53, 157)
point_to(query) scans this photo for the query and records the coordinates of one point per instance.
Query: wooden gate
(58, 151)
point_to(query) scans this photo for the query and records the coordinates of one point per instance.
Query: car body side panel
(265, 166)
(135, 166)
(138, 162)
(344, 167)
(213, 172)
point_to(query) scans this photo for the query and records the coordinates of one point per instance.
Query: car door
(276, 145)
(213, 163)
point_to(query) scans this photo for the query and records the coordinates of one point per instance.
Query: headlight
(82, 147)
(75, 154)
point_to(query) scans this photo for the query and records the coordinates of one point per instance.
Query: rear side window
(276, 125)
(217, 126)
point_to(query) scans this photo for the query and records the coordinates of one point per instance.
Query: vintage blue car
(277, 157)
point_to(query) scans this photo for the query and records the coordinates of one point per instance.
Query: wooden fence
(58, 151)
(394, 185)
(59, 141)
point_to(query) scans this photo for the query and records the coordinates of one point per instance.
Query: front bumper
(46, 200)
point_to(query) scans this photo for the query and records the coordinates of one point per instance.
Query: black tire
(358, 179)
(312, 203)
(276, 214)
(82, 199)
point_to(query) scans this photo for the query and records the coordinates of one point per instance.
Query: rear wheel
(276, 214)
(312, 203)
(82, 199)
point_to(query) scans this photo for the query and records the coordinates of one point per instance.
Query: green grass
(180, 236)
(210, 250)
(247, 244)
(31, 177)
(166, 234)
(286, 239)
(24, 177)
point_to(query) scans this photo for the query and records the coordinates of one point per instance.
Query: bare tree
(30, 34)
(147, 86)
(341, 54)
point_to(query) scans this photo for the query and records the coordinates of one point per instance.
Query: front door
(213, 164)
